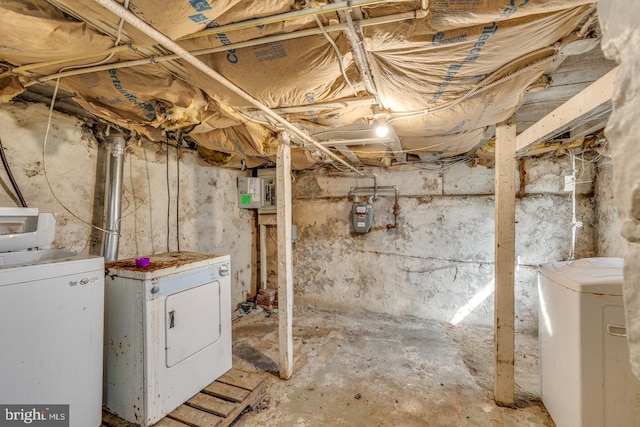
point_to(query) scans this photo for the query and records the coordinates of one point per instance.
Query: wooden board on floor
(218, 405)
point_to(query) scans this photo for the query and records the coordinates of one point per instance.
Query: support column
(505, 215)
(285, 257)
(263, 257)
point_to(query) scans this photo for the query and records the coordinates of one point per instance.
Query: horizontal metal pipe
(239, 45)
(163, 40)
(218, 30)
(331, 7)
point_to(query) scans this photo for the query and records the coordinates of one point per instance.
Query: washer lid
(587, 275)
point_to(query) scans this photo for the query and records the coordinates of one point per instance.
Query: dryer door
(192, 321)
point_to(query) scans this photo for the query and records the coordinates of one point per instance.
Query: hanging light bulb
(382, 129)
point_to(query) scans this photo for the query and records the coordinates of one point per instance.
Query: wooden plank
(285, 258)
(110, 420)
(590, 98)
(505, 206)
(195, 418)
(345, 151)
(245, 380)
(263, 256)
(254, 398)
(226, 391)
(267, 219)
(398, 152)
(168, 422)
(212, 404)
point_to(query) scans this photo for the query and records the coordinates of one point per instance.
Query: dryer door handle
(617, 330)
(172, 319)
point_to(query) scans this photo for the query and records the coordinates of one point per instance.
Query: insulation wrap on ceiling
(441, 80)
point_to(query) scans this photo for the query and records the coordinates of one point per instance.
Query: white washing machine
(585, 373)
(51, 321)
(167, 332)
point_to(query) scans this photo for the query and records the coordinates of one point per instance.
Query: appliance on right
(585, 373)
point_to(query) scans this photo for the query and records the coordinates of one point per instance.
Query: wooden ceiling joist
(584, 102)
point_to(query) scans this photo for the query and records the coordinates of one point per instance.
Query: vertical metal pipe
(117, 145)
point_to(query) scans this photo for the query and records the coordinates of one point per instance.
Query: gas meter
(361, 216)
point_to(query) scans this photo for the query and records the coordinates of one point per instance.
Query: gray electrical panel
(258, 192)
(249, 192)
(361, 216)
(268, 177)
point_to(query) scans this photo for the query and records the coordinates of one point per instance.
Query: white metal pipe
(360, 141)
(114, 195)
(347, 102)
(248, 43)
(163, 40)
(296, 14)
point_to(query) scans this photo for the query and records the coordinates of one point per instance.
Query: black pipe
(13, 181)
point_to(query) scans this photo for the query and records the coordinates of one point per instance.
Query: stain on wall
(207, 217)
(438, 262)
(610, 242)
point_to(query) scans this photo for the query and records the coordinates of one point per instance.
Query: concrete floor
(376, 370)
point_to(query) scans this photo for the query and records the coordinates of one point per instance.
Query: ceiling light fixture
(382, 129)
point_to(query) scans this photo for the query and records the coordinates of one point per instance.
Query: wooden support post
(505, 211)
(263, 256)
(285, 257)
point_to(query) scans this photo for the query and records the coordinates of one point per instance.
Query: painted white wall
(209, 218)
(621, 42)
(438, 262)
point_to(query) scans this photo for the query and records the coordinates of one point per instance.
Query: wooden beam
(345, 151)
(505, 208)
(396, 146)
(285, 257)
(592, 97)
(263, 256)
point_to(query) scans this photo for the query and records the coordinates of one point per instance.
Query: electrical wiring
(135, 222)
(337, 52)
(48, 128)
(46, 173)
(14, 184)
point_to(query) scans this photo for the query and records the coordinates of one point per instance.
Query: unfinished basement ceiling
(440, 73)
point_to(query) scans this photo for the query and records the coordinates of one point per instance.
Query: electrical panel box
(249, 192)
(268, 177)
(258, 192)
(361, 217)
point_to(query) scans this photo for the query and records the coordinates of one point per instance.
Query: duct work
(235, 74)
(117, 145)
